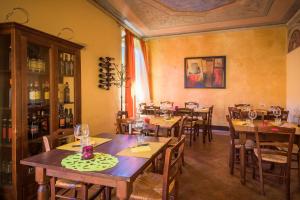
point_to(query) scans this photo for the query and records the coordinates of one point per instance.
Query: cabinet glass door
(38, 90)
(66, 88)
(5, 111)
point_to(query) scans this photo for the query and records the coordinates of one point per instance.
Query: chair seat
(67, 184)
(173, 141)
(248, 145)
(270, 155)
(148, 186)
(283, 146)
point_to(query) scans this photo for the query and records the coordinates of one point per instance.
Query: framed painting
(205, 72)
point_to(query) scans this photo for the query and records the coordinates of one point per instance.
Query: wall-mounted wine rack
(106, 73)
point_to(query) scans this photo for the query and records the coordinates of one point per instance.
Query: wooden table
(121, 176)
(247, 131)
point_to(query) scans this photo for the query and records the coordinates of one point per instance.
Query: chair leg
(191, 138)
(261, 178)
(108, 193)
(84, 192)
(288, 177)
(231, 160)
(52, 188)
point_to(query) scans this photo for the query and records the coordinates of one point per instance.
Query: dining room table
(246, 130)
(128, 164)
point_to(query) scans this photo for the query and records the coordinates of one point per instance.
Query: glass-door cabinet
(39, 96)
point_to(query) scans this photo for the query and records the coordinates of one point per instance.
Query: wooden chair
(235, 146)
(142, 108)
(152, 186)
(167, 103)
(242, 105)
(267, 152)
(234, 113)
(152, 110)
(209, 129)
(64, 184)
(151, 130)
(188, 126)
(284, 115)
(122, 114)
(191, 105)
(201, 123)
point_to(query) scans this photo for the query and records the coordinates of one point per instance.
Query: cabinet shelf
(37, 73)
(65, 103)
(4, 71)
(38, 107)
(5, 145)
(5, 108)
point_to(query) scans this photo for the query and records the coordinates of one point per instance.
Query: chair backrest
(191, 105)
(167, 103)
(233, 134)
(47, 140)
(172, 165)
(152, 110)
(122, 114)
(181, 127)
(284, 115)
(270, 133)
(151, 128)
(122, 126)
(242, 105)
(234, 112)
(184, 112)
(210, 114)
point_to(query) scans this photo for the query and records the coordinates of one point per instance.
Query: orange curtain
(130, 73)
(145, 53)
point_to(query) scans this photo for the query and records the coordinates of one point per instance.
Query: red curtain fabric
(130, 73)
(145, 53)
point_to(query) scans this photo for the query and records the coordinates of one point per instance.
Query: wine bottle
(9, 130)
(37, 91)
(31, 94)
(67, 64)
(46, 92)
(67, 118)
(44, 121)
(62, 64)
(67, 93)
(71, 118)
(4, 130)
(9, 93)
(62, 119)
(34, 128)
(71, 65)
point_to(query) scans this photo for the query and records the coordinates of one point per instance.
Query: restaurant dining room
(150, 99)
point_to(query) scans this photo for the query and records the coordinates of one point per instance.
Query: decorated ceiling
(150, 18)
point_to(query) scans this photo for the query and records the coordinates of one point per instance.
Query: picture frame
(205, 72)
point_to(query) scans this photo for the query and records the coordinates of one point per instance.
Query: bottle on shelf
(33, 128)
(62, 64)
(4, 130)
(9, 172)
(71, 65)
(44, 122)
(31, 94)
(37, 91)
(71, 118)
(67, 93)
(39, 65)
(9, 93)
(9, 131)
(67, 64)
(67, 118)
(3, 172)
(62, 118)
(46, 92)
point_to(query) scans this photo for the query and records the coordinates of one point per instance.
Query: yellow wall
(97, 31)
(256, 68)
(293, 83)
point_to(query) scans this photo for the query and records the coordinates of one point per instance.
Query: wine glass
(277, 114)
(252, 115)
(81, 132)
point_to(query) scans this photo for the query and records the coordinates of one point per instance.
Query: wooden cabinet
(39, 95)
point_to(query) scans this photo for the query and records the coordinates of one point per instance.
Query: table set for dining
(117, 161)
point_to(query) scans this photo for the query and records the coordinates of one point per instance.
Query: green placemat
(101, 161)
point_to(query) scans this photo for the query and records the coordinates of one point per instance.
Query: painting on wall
(205, 72)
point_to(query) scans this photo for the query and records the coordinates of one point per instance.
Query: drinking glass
(252, 115)
(277, 114)
(138, 126)
(81, 132)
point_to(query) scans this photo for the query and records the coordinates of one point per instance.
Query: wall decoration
(205, 72)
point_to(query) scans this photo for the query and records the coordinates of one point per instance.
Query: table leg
(124, 190)
(242, 157)
(40, 178)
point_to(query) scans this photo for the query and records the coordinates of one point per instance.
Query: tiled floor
(206, 176)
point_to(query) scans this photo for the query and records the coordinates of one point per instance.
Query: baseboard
(220, 128)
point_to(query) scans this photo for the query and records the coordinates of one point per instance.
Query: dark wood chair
(152, 110)
(234, 113)
(284, 115)
(189, 124)
(122, 114)
(142, 108)
(201, 123)
(167, 103)
(61, 187)
(152, 186)
(151, 130)
(235, 146)
(242, 105)
(267, 152)
(191, 105)
(209, 129)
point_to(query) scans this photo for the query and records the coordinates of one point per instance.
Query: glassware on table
(277, 114)
(82, 132)
(252, 114)
(138, 126)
